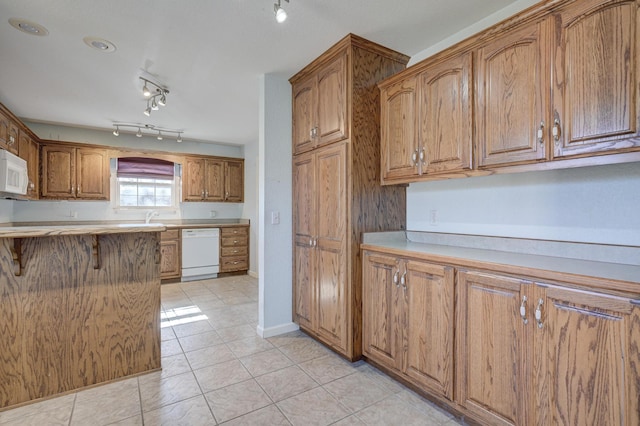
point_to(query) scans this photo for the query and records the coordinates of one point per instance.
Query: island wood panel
(66, 325)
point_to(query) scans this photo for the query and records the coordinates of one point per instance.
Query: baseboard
(277, 330)
(252, 274)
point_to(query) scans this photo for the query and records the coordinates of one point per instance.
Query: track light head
(147, 111)
(116, 132)
(139, 134)
(281, 14)
(154, 104)
(145, 90)
(163, 100)
(159, 135)
(179, 138)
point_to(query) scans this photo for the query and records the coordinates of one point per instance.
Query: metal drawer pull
(556, 131)
(538, 313)
(523, 310)
(541, 133)
(395, 278)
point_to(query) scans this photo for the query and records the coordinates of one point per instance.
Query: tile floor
(216, 370)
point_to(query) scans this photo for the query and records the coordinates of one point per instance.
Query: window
(146, 182)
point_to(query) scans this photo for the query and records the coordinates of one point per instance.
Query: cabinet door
(304, 118)
(4, 130)
(304, 222)
(58, 171)
(512, 99)
(29, 151)
(193, 174)
(234, 181)
(331, 247)
(429, 323)
(381, 310)
(214, 180)
(596, 77)
(446, 116)
(592, 359)
(332, 102)
(92, 174)
(492, 351)
(399, 138)
(170, 259)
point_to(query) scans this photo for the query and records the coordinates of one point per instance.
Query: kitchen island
(79, 306)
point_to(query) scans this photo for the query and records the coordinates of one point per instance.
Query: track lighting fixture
(281, 14)
(156, 95)
(148, 130)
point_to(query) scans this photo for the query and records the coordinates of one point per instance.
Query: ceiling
(208, 53)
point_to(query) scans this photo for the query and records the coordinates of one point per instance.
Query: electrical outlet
(433, 217)
(213, 213)
(73, 214)
(275, 218)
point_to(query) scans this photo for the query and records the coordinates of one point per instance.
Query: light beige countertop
(500, 258)
(43, 229)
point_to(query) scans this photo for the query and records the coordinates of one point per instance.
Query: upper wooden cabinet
(213, 179)
(74, 173)
(513, 97)
(596, 73)
(9, 132)
(320, 108)
(336, 186)
(29, 150)
(553, 87)
(427, 121)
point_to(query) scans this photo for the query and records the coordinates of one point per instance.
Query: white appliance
(13, 173)
(200, 253)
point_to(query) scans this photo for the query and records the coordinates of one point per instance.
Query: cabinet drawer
(172, 234)
(233, 251)
(233, 232)
(234, 241)
(239, 263)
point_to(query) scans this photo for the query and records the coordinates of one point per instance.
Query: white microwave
(13, 173)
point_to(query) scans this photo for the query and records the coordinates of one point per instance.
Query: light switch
(275, 218)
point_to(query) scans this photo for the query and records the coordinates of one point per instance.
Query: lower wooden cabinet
(408, 319)
(170, 254)
(536, 354)
(234, 249)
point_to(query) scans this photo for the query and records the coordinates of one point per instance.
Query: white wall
(250, 206)
(6, 211)
(275, 249)
(595, 204)
(591, 204)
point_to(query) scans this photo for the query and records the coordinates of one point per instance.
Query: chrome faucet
(149, 215)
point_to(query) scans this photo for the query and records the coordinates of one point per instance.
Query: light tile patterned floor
(216, 370)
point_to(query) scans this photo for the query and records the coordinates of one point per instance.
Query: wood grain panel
(73, 325)
(588, 356)
(429, 326)
(234, 181)
(304, 117)
(445, 116)
(493, 354)
(231, 231)
(92, 174)
(596, 93)
(512, 100)
(58, 171)
(193, 174)
(214, 182)
(381, 310)
(332, 102)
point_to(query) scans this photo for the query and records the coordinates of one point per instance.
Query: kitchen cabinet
(9, 132)
(320, 106)
(408, 319)
(596, 73)
(70, 172)
(513, 96)
(234, 248)
(426, 120)
(29, 150)
(170, 254)
(213, 179)
(336, 186)
(535, 353)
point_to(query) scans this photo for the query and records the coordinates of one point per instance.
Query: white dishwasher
(200, 253)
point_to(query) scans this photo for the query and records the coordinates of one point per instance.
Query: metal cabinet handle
(403, 280)
(538, 313)
(540, 133)
(414, 157)
(12, 140)
(395, 278)
(202, 193)
(556, 131)
(523, 310)
(422, 155)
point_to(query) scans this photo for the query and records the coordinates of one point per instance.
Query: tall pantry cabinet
(336, 186)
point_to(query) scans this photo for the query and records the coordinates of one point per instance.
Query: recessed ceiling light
(28, 27)
(100, 44)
